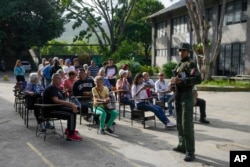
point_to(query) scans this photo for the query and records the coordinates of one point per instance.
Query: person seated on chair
(106, 83)
(162, 89)
(123, 84)
(139, 93)
(83, 87)
(202, 104)
(101, 94)
(68, 110)
(68, 83)
(33, 92)
(151, 85)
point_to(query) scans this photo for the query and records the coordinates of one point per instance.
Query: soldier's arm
(193, 76)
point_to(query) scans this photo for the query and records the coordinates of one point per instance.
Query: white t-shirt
(161, 87)
(67, 69)
(141, 95)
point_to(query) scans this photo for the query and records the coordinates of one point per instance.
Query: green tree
(137, 29)
(127, 50)
(209, 47)
(26, 23)
(96, 13)
(55, 48)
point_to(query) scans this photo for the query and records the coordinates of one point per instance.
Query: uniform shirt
(188, 72)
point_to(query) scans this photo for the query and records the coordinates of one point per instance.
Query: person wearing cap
(111, 71)
(123, 84)
(186, 75)
(68, 67)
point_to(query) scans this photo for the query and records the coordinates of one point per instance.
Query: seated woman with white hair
(33, 91)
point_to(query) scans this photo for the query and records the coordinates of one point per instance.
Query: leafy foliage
(26, 23)
(138, 29)
(134, 66)
(168, 67)
(127, 50)
(95, 13)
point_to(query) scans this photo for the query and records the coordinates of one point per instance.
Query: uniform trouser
(202, 104)
(185, 125)
(65, 113)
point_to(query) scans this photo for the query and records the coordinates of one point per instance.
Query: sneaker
(42, 127)
(66, 132)
(170, 125)
(102, 131)
(74, 137)
(178, 149)
(204, 121)
(189, 157)
(109, 130)
(49, 125)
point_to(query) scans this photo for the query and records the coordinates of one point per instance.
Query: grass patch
(226, 83)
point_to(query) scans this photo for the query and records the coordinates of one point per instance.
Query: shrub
(134, 66)
(168, 67)
(148, 69)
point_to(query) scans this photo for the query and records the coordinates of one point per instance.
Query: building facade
(171, 26)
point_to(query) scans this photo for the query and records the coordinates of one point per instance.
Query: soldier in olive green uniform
(186, 76)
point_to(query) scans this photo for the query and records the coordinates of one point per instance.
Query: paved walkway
(130, 146)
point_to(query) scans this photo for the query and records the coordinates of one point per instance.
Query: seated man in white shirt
(163, 91)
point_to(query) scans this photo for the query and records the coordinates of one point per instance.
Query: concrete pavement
(130, 146)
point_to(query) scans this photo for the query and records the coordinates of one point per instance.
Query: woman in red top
(68, 83)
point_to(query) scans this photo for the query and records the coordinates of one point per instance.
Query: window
(209, 14)
(231, 59)
(179, 25)
(174, 52)
(161, 52)
(235, 12)
(161, 29)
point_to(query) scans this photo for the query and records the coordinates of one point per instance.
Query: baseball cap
(185, 46)
(67, 61)
(121, 72)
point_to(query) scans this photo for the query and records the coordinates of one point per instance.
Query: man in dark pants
(201, 103)
(186, 76)
(68, 110)
(83, 88)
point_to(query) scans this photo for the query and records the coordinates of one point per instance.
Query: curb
(222, 89)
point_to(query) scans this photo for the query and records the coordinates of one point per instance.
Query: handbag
(107, 106)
